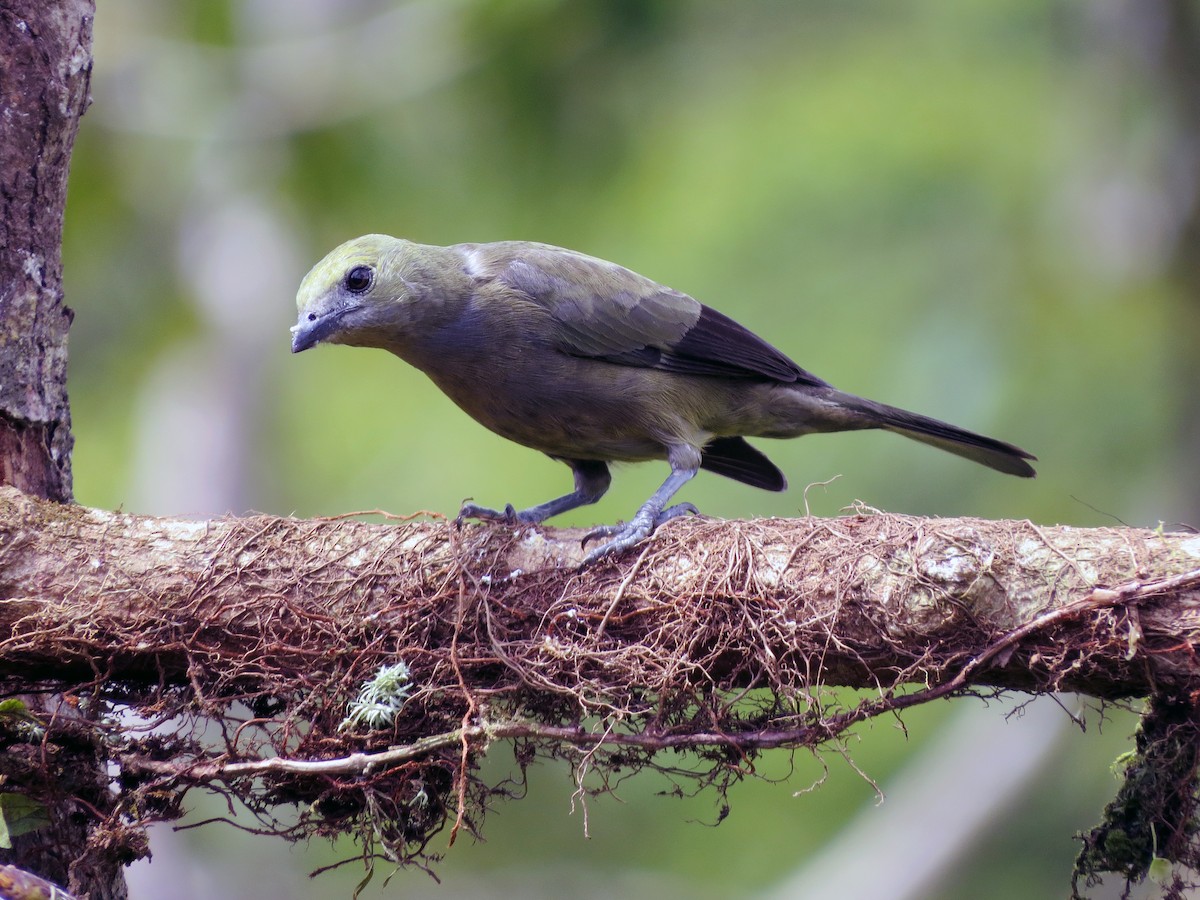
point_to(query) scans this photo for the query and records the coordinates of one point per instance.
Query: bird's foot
(636, 530)
(508, 517)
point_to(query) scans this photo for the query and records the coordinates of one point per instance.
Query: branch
(853, 601)
(718, 639)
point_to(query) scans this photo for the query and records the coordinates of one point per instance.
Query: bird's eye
(312, 317)
(358, 279)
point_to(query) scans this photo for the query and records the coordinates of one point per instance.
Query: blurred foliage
(957, 208)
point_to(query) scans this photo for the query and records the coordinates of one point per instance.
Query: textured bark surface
(882, 597)
(357, 672)
(717, 640)
(45, 67)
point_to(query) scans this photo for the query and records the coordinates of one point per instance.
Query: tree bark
(718, 640)
(888, 599)
(45, 69)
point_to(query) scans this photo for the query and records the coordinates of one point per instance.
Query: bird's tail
(999, 455)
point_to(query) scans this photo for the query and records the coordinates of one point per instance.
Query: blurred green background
(982, 211)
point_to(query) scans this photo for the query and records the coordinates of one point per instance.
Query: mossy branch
(867, 600)
(717, 638)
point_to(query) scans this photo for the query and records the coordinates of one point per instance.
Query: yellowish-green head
(362, 292)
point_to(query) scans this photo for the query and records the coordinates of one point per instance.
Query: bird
(591, 363)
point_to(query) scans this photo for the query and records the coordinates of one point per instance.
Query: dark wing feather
(717, 345)
(608, 312)
(736, 459)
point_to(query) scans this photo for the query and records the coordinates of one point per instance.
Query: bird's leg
(652, 513)
(591, 481)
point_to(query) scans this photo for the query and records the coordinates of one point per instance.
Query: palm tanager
(591, 363)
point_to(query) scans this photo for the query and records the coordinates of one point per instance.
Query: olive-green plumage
(591, 363)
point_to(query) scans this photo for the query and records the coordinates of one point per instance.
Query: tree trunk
(45, 68)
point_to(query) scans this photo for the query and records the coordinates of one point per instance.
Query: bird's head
(366, 293)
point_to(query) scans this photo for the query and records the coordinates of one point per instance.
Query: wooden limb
(718, 640)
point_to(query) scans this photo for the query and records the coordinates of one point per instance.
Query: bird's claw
(623, 538)
(674, 512)
(633, 532)
(509, 517)
(601, 531)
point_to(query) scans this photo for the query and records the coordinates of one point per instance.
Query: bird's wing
(607, 312)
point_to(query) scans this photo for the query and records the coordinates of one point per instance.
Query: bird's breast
(561, 405)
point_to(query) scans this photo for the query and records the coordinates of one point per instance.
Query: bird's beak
(303, 336)
(309, 332)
